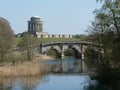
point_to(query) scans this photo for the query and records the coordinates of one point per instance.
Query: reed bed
(27, 68)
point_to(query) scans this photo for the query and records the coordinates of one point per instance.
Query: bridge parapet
(60, 44)
(70, 42)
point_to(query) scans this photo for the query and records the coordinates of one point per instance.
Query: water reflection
(6, 83)
(65, 82)
(49, 82)
(66, 75)
(22, 83)
(69, 65)
(29, 83)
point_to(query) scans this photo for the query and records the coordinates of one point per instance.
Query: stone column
(82, 52)
(83, 66)
(62, 55)
(62, 52)
(35, 27)
(32, 27)
(41, 48)
(38, 26)
(28, 26)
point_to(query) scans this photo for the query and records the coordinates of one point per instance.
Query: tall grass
(26, 68)
(30, 82)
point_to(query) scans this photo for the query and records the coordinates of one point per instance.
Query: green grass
(45, 40)
(17, 41)
(41, 40)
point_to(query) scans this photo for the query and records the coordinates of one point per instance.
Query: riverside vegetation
(24, 68)
(21, 62)
(105, 30)
(18, 63)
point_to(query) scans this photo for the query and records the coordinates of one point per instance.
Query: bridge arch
(57, 51)
(76, 50)
(77, 53)
(59, 47)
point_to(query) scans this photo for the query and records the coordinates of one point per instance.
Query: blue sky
(58, 16)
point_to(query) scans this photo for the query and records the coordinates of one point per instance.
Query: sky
(58, 16)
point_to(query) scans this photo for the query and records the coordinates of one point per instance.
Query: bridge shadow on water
(67, 66)
(68, 73)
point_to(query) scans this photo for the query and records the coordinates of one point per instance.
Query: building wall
(46, 35)
(35, 25)
(35, 28)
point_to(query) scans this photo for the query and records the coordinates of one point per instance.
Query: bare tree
(6, 38)
(27, 44)
(106, 30)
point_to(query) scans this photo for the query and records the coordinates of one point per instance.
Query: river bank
(26, 68)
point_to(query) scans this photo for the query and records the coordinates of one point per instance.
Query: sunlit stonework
(35, 27)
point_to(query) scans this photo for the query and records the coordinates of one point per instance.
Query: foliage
(77, 36)
(90, 53)
(53, 53)
(81, 37)
(105, 30)
(27, 44)
(17, 41)
(6, 38)
(109, 77)
(69, 52)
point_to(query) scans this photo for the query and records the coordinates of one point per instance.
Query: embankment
(26, 68)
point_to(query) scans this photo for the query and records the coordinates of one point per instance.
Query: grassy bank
(26, 68)
(42, 40)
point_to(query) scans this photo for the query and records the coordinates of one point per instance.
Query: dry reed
(27, 68)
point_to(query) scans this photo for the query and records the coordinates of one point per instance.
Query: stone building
(35, 26)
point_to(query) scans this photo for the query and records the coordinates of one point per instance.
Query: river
(67, 74)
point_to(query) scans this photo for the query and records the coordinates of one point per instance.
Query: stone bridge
(60, 47)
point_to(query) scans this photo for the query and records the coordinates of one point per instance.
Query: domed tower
(35, 25)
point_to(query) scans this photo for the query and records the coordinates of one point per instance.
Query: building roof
(35, 16)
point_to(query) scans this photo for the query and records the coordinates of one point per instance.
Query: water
(64, 75)
(68, 65)
(65, 82)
